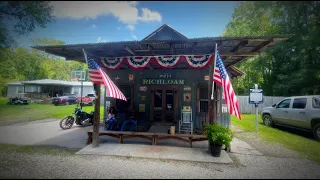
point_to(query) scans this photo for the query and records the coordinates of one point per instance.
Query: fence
(246, 108)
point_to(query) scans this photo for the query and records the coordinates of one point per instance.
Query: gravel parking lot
(273, 161)
(93, 166)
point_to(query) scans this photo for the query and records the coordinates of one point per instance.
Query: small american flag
(98, 76)
(221, 77)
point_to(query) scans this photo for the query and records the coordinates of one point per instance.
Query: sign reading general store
(162, 81)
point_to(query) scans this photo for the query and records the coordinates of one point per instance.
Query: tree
(22, 64)
(292, 67)
(26, 16)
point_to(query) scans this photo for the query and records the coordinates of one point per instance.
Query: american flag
(221, 77)
(98, 76)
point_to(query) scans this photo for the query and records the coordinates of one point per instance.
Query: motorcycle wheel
(66, 123)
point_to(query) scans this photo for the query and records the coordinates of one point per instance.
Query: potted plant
(217, 136)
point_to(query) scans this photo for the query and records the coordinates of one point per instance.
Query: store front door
(163, 104)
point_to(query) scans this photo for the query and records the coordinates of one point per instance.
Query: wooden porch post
(210, 102)
(96, 119)
(217, 107)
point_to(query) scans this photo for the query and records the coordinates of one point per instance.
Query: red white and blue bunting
(112, 63)
(140, 62)
(199, 61)
(167, 61)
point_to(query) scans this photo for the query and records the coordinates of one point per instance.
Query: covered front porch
(167, 74)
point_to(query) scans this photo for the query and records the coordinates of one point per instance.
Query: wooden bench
(154, 137)
(188, 138)
(122, 135)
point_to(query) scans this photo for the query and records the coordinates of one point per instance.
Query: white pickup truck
(301, 112)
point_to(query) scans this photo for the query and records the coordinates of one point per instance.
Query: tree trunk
(96, 119)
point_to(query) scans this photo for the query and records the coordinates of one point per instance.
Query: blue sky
(91, 22)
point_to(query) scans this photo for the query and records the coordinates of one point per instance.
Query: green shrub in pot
(217, 136)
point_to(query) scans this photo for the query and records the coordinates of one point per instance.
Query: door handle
(302, 112)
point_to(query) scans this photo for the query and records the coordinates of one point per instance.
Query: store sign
(165, 75)
(163, 81)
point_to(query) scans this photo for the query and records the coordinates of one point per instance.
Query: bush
(218, 135)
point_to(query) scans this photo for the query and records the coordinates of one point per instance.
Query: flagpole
(85, 55)
(96, 118)
(214, 65)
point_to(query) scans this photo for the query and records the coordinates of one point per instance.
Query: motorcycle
(81, 118)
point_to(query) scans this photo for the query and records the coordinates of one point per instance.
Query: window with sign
(284, 104)
(203, 99)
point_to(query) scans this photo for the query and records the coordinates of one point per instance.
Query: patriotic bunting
(140, 62)
(112, 63)
(167, 61)
(199, 61)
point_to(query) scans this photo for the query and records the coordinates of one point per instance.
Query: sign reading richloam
(162, 81)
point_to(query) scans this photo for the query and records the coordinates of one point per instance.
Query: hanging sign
(142, 98)
(108, 104)
(143, 88)
(186, 108)
(142, 108)
(187, 88)
(206, 78)
(187, 97)
(131, 77)
(162, 81)
(224, 108)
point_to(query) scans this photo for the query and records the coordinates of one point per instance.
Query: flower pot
(215, 150)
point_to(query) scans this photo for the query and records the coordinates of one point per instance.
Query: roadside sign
(256, 96)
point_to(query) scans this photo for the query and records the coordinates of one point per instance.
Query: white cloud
(126, 12)
(93, 26)
(100, 39)
(148, 15)
(130, 27)
(134, 37)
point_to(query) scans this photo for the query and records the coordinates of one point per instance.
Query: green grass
(35, 150)
(10, 114)
(304, 146)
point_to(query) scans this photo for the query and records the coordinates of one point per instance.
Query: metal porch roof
(232, 49)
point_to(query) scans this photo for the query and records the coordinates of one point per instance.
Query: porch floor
(166, 149)
(156, 152)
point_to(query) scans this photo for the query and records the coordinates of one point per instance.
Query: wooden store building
(166, 73)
